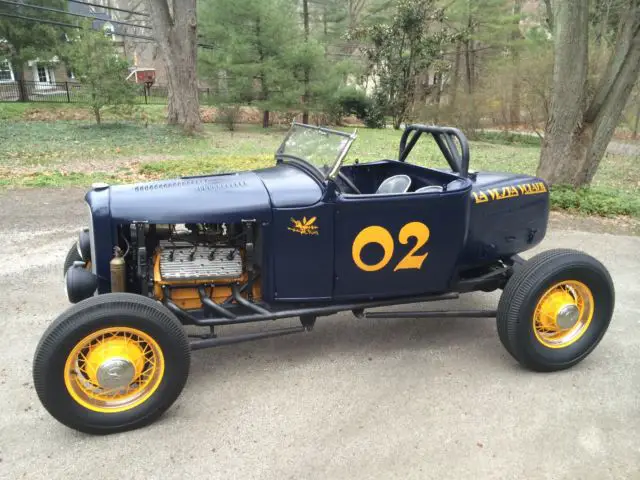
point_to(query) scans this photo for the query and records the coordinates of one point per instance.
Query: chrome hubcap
(568, 316)
(115, 373)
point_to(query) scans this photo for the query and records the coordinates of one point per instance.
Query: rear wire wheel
(111, 363)
(555, 309)
(563, 314)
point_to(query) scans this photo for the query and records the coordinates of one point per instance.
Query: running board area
(307, 317)
(258, 313)
(199, 344)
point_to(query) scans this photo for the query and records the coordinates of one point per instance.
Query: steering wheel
(344, 178)
(349, 183)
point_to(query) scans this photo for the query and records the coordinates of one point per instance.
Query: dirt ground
(402, 398)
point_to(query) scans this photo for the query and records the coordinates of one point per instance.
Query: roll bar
(444, 137)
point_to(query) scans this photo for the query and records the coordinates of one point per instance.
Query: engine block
(185, 261)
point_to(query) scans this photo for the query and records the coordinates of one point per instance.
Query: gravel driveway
(354, 399)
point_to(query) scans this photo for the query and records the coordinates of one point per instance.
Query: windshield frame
(332, 173)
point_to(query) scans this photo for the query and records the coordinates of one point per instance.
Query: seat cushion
(395, 184)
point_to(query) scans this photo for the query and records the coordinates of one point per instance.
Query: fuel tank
(509, 214)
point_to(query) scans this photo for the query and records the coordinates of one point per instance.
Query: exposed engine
(176, 260)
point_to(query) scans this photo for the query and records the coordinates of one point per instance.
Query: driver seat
(395, 184)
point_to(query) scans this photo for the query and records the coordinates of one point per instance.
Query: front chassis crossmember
(239, 310)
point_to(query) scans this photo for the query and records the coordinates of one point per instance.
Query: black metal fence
(74, 92)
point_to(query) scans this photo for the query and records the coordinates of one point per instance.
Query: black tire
(93, 314)
(72, 256)
(525, 289)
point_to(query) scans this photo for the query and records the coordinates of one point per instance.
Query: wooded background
(564, 70)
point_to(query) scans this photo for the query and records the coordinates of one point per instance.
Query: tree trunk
(468, 53)
(437, 85)
(96, 113)
(455, 81)
(437, 95)
(469, 61)
(22, 93)
(175, 31)
(515, 106)
(637, 123)
(471, 116)
(578, 131)
(565, 140)
(305, 98)
(325, 26)
(264, 88)
(549, 12)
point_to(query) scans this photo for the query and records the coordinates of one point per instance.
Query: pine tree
(276, 54)
(255, 46)
(319, 64)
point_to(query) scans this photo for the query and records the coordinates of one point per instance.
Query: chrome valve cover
(185, 261)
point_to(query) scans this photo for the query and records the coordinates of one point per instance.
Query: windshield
(323, 148)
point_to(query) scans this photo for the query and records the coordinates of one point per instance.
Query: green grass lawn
(16, 112)
(60, 153)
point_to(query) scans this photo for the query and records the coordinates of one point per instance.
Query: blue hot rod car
(308, 237)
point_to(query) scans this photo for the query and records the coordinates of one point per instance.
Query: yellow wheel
(555, 309)
(114, 369)
(111, 363)
(563, 314)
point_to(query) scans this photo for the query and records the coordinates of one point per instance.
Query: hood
(206, 199)
(290, 187)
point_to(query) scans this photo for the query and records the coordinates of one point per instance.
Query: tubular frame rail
(239, 310)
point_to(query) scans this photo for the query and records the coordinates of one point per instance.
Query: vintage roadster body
(309, 236)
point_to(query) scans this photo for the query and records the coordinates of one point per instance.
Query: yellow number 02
(381, 236)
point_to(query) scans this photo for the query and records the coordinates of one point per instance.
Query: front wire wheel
(111, 363)
(114, 369)
(555, 309)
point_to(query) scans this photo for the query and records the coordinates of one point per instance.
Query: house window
(6, 72)
(43, 74)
